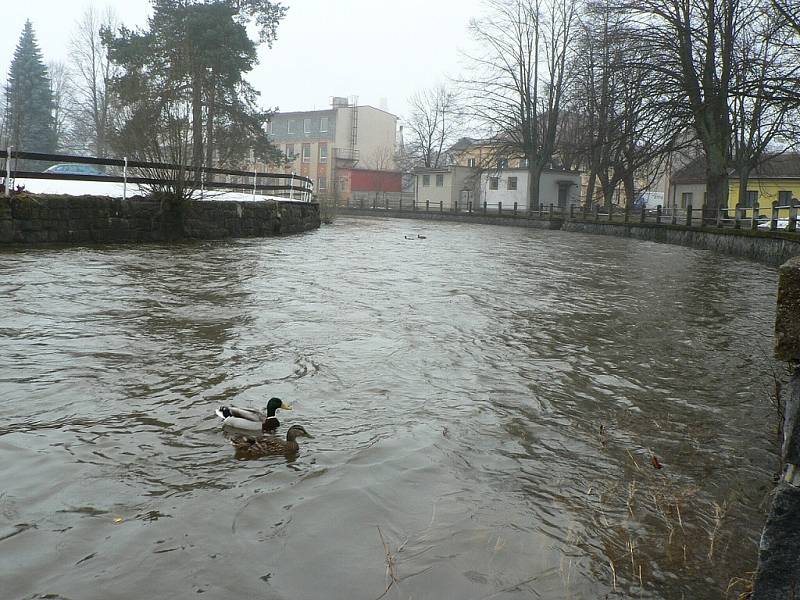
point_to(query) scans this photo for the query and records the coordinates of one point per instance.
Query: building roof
(464, 143)
(443, 169)
(777, 166)
(330, 110)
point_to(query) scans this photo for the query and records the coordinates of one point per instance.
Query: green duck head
(274, 404)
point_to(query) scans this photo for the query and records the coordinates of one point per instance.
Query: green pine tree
(31, 126)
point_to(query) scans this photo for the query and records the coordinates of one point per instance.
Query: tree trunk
(589, 200)
(197, 120)
(717, 190)
(630, 189)
(210, 121)
(608, 195)
(534, 177)
(607, 187)
(744, 178)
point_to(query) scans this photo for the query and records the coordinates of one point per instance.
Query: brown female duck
(248, 446)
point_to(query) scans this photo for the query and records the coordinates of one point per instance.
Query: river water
(486, 405)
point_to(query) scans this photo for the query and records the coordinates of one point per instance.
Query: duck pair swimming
(246, 418)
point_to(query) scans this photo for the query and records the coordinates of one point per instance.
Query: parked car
(764, 223)
(75, 169)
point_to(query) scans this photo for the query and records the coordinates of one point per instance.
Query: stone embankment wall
(778, 573)
(771, 247)
(434, 215)
(90, 219)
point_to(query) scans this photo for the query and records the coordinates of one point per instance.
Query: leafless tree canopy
(516, 84)
(714, 59)
(433, 126)
(92, 72)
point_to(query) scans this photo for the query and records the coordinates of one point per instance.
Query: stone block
(787, 318)
(6, 232)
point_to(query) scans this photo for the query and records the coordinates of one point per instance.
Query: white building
(560, 188)
(446, 185)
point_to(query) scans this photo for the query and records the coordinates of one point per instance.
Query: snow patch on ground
(115, 190)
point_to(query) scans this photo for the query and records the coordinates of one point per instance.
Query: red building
(352, 182)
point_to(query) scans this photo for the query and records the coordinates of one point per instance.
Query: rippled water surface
(486, 404)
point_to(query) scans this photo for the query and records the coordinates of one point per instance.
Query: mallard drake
(247, 418)
(249, 446)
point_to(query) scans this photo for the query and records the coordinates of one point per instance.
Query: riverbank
(52, 219)
(507, 220)
(768, 247)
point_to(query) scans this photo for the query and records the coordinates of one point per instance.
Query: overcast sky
(375, 49)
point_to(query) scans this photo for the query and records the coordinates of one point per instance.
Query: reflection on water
(488, 405)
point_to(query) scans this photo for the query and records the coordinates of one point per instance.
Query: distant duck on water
(250, 447)
(247, 418)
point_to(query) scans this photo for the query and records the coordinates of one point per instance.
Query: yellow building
(481, 154)
(776, 180)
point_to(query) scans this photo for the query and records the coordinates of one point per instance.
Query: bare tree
(433, 124)
(785, 87)
(718, 64)
(517, 83)
(92, 73)
(61, 92)
(761, 118)
(625, 129)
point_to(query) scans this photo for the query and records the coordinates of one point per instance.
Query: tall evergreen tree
(30, 125)
(182, 77)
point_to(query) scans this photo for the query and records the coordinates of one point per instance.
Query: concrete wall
(698, 191)
(548, 188)
(773, 248)
(433, 193)
(377, 135)
(778, 573)
(91, 219)
(456, 180)
(435, 215)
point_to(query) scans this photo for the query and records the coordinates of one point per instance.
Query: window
(306, 153)
(269, 126)
(686, 199)
(470, 162)
(784, 198)
(290, 126)
(323, 125)
(323, 153)
(512, 183)
(290, 151)
(440, 181)
(752, 199)
(494, 183)
(502, 164)
(323, 183)
(524, 163)
(426, 181)
(306, 125)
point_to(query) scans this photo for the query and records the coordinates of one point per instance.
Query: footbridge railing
(148, 173)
